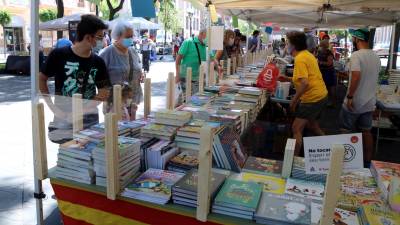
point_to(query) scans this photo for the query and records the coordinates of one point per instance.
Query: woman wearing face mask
(311, 93)
(123, 63)
(229, 40)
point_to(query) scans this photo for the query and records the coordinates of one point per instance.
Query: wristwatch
(349, 97)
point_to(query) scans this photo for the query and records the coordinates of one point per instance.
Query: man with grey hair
(191, 53)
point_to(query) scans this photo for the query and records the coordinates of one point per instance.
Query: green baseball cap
(362, 33)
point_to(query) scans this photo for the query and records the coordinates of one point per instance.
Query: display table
(381, 107)
(87, 204)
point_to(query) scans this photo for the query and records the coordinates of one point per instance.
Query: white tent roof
(312, 13)
(60, 23)
(136, 22)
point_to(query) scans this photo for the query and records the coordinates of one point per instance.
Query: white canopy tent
(136, 22)
(60, 23)
(311, 13)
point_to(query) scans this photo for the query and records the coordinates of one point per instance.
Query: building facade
(17, 33)
(191, 17)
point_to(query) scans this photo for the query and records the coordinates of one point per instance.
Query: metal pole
(391, 50)
(34, 60)
(208, 47)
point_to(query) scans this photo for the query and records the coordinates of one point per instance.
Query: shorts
(355, 121)
(329, 77)
(311, 111)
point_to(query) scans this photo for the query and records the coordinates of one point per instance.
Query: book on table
(185, 190)
(263, 166)
(238, 196)
(283, 210)
(306, 189)
(270, 184)
(154, 185)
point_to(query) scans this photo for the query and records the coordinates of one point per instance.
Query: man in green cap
(359, 104)
(191, 54)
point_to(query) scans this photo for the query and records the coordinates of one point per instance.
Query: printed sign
(217, 38)
(317, 152)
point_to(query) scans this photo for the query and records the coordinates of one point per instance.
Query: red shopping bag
(268, 77)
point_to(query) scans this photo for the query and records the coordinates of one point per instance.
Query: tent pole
(208, 59)
(247, 38)
(391, 50)
(34, 60)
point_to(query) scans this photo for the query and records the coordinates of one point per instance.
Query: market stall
(100, 200)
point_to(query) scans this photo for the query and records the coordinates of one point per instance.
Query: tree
(47, 15)
(168, 15)
(5, 19)
(108, 8)
(60, 14)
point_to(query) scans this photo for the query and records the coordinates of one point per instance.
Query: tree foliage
(5, 18)
(47, 15)
(169, 16)
(109, 8)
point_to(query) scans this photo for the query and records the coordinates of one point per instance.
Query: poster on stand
(217, 38)
(317, 152)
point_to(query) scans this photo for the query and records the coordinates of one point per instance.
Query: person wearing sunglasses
(77, 70)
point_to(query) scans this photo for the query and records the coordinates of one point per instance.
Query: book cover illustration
(190, 181)
(386, 171)
(358, 182)
(230, 142)
(155, 182)
(340, 217)
(78, 145)
(375, 214)
(307, 189)
(270, 184)
(262, 165)
(284, 208)
(239, 193)
(186, 158)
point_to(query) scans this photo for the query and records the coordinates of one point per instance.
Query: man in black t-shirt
(77, 69)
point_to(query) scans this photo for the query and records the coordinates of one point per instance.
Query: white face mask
(98, 47)
(128, 101)
(231, 41)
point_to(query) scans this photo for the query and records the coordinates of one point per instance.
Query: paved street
(17, 205)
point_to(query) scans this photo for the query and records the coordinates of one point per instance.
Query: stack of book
(202, 98)
(228, 151)
(247, 98)
(283, 210)
(91, 135)
(224, 98)
(183, 162)
(383, 173)
(158, 154)
(184, 192)
(305, 189)
(299, 171)
(172, 117)
(159, 131)
(74, 161)
(231, 119)
(251, 91)
(154, 186)
(238, 199)
(358, 187)
(188, 136)
(340, 217)
(128, 164)
(263, 166)
(378, 214)
(122, 130)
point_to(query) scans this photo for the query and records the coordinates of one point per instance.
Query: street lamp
(190, 14)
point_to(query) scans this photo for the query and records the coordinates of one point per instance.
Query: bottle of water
(280, 92)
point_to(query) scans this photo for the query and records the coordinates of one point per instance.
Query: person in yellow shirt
(311, 93)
